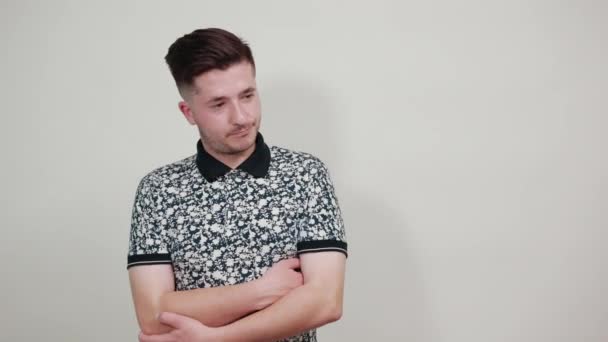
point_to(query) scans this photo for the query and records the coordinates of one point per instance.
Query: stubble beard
(225, 148)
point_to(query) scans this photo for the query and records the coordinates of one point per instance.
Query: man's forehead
(218, 82)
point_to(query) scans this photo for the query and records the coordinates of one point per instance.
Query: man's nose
(240, 115)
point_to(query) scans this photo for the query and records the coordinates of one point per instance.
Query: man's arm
(316, 303)
(153, 291)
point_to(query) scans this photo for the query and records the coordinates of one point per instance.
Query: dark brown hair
(204, 50)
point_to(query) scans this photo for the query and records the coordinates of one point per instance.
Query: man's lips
(241, 132)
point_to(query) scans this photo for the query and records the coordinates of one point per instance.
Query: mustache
(241, 129)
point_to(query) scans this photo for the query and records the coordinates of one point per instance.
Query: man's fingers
(290, 263)
(172, 319)
(168, 337)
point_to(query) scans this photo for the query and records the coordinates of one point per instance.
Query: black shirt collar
(256, 164)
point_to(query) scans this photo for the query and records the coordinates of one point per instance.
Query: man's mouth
(241, 132)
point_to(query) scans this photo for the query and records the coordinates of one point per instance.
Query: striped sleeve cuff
(148, 259)
(322, 246)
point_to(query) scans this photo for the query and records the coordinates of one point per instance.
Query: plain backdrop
(466, 139)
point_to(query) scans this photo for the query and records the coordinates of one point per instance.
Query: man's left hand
(185, 329)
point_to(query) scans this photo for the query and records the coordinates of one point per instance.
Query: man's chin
(241, 146)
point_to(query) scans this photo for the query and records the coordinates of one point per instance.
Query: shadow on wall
(384, 291)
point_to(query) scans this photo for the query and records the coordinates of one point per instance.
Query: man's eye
(218, 105)
(248, 96)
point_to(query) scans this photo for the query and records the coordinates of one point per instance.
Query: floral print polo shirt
(219, 226)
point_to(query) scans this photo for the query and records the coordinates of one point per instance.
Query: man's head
(214, 72)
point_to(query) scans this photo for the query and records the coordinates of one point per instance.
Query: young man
(241, 241)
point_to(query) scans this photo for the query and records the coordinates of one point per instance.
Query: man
(241, 241)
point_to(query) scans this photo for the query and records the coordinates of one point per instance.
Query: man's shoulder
(165, 175)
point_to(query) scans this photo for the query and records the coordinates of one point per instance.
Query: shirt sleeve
(321, 227)
(148, 236)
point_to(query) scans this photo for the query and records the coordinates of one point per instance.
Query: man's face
(226, 109)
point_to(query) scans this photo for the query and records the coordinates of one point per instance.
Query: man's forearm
(304, 308)
(216, 306)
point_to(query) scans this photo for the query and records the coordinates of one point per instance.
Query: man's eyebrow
(223, 98)
(248, 90)
(217, 99)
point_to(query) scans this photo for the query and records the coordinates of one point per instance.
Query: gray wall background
(467, 141)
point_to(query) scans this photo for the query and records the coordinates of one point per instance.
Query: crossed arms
(280, 304)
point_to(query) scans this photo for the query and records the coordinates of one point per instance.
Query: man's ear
(187, 111)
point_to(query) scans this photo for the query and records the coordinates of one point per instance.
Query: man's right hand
(281, 278)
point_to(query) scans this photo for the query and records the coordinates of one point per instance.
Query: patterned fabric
(224, 228)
